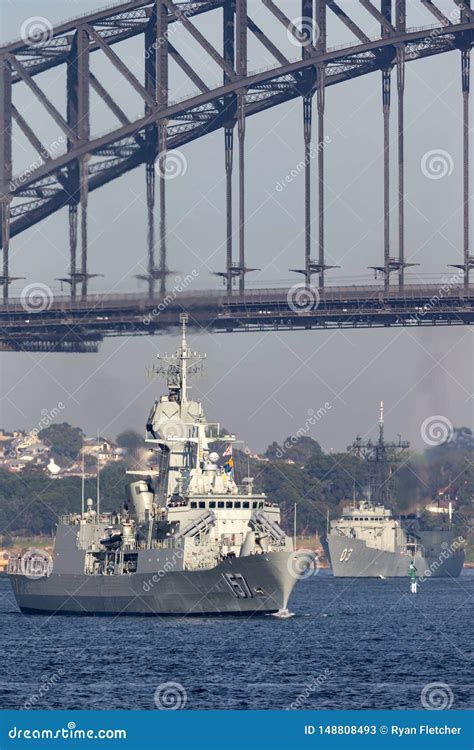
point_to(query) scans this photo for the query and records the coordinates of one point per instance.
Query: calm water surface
(352, 644)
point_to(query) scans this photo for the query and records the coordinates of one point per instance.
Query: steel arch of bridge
(90, 162)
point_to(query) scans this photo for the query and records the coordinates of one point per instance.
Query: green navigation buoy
(412, 572)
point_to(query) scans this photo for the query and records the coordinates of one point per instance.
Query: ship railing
(32, 564)
(14, 564)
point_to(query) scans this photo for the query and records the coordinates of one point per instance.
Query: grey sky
(260, 385)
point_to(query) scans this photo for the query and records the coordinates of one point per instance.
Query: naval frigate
(369, 540)
(190, 540)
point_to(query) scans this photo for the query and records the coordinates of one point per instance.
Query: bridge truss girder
(91, 162)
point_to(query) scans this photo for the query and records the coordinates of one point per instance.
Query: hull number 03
(345, 555)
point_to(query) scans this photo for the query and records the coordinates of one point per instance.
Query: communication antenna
(381, 422)
(181, 365)
(294, 527)
(82, 484)
(98, 478)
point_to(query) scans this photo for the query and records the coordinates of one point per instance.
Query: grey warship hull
(352, 558)
(253, 584)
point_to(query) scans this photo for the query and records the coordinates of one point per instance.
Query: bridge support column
(228, 46)
(386, 84)
(73, 248)
(320, 44)
(321, 101)
(151, 41)
(78, 118)
(307, 118)
(386, 11)
(150, 204)
(162, 94)
(5, 167)
(229, 158)
(241, 69)
(468, 261)
(163, 269)
(401, 25)
(84, 203)
(5, 209)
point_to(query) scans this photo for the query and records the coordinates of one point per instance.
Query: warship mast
(381, 458)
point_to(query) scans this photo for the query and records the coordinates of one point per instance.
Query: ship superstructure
(189, 541)
(369, 540)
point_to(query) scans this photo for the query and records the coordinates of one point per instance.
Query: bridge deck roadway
(62, 324)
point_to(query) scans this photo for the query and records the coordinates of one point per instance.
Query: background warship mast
(381, 458)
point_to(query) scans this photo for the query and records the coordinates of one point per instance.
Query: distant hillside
(296, 472)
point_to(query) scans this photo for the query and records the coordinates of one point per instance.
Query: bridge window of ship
(246, 505)
(193, 505)
(237, 504)
(212, 504)
(229, 504)
(220, 504)
(202, 504)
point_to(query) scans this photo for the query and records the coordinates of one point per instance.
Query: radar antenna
(178, 367)
(381, 457)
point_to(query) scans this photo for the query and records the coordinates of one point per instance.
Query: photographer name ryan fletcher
(424, 729)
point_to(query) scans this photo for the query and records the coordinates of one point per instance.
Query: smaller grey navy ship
(370, 541)
(191, 542)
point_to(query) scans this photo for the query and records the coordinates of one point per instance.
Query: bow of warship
(188, 541)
